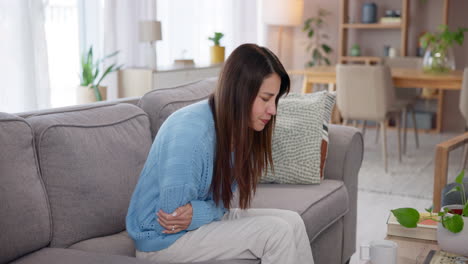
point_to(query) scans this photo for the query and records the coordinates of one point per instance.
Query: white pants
(272, 235)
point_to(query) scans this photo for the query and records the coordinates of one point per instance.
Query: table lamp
(282, 13)
(150, 32)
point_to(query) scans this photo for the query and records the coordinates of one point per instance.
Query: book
(442, 257)
(385, 20)
(426, 229)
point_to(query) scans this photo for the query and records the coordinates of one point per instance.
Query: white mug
(380, 252)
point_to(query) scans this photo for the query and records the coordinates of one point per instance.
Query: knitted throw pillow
(300, 138)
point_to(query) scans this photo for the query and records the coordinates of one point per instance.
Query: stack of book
(426, 229)
(386, 20)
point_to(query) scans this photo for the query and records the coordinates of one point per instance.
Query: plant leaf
(108, 56)
(465, 210)
(460, 177)
(407, 217)
(311, 33)
(97, 93)
(454, 189)
(326, 48)
(327, 61)
(109, 69)
(429, 210)
(453, 223)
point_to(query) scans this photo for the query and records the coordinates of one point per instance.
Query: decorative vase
(217, 54)
(438, 60)
(85, 94)
(453, 242)
(355, 50)
(369, 13)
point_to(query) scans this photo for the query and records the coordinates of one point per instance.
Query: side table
(412, 250)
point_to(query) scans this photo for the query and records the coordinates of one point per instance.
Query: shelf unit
(345, 27)
(373, 26)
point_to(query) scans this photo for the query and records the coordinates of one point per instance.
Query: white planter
(451, 242)
(85, 94)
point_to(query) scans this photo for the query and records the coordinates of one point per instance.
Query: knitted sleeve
(184, 175)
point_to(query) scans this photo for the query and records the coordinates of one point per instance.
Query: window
(186, 26)
(61, 27)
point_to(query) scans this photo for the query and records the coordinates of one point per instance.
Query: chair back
(364, 92)
(464, 97)
(404, 62)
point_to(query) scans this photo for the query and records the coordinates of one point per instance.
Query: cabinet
(137, 81)
(345, 27)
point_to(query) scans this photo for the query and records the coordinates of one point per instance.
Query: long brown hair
(241, 153)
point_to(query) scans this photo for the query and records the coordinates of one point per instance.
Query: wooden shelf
(345, 26)
(366, 59)
(374, 26)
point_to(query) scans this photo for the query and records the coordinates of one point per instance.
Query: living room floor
(406, 184)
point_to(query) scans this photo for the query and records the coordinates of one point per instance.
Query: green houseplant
(217, 51)
(452, 235)
(439, 57)
(319, 50)
(90, 76)
(409, 217)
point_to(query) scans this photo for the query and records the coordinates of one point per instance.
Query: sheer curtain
(186, 26)
(23, 68)
(121, 19)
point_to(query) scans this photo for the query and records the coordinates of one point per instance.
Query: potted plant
(91, 78)
(217, 51)
(319, 50)
(451, 234)
(439, 57)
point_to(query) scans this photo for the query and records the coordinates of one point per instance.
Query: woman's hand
(179, 220)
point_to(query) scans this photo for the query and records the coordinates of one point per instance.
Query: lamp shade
(150, 30)
(283, 12)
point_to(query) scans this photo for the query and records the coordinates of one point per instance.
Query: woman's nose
(271, 110)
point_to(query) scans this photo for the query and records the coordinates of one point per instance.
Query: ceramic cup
(380, 252)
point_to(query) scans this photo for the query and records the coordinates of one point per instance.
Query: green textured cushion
(300, 138)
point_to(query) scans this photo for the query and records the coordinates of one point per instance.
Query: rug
(414, 176)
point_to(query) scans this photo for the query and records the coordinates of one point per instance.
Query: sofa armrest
(344, 159)
(345, 153)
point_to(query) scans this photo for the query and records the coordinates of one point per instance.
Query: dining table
(402, 78)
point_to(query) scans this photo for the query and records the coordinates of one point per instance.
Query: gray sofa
(67, 176)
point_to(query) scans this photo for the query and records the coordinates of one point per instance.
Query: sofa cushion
(161, 103)
(319, 205)
(117, 244)
(90, 161)
(25, 219)
(300, 138)
(71, 256)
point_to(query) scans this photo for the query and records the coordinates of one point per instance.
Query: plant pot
(85, 94)
(217, 54)
(453, 242)
(438, 60)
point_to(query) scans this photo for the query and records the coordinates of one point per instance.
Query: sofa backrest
(161, 103)
(90, 160)
(25, 220)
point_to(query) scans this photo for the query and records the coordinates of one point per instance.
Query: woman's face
(264, 106)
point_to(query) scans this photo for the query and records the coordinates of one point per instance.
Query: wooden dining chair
(409, 96)
(366, 92)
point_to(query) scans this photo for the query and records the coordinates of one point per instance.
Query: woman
(180, 210)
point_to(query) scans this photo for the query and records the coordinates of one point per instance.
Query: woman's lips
(265, 121)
